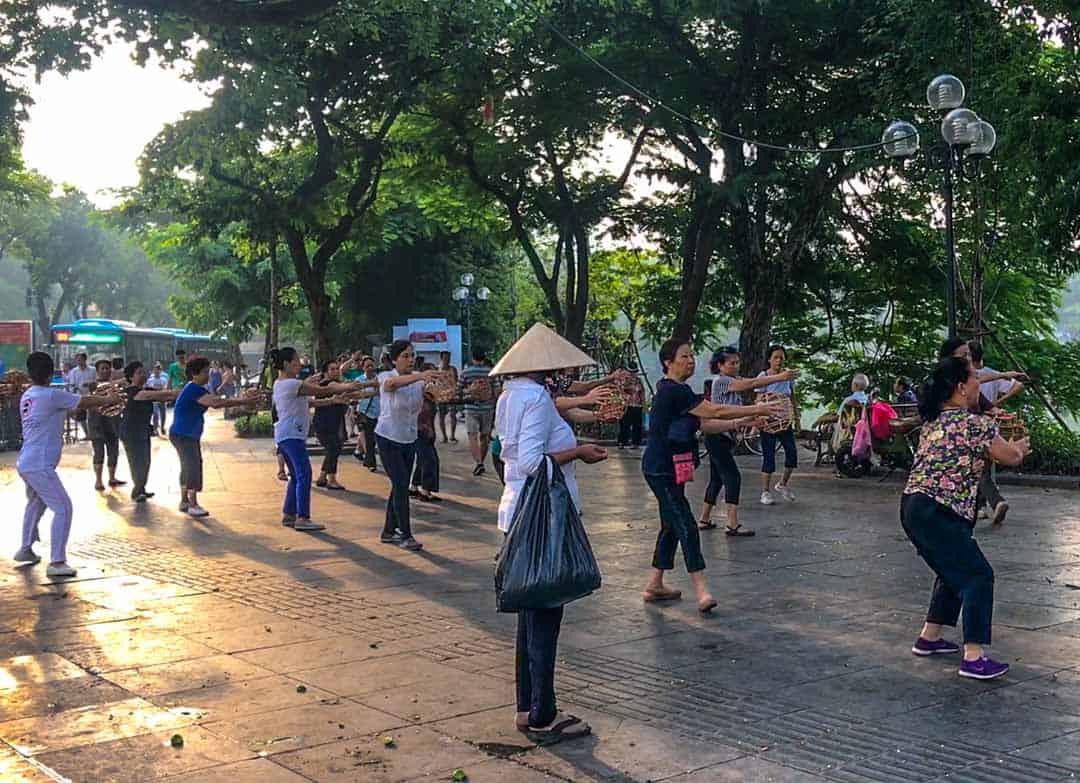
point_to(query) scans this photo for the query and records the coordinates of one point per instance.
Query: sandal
(738, 532)
(564, 727)
(335, 486)
(707, 605)
(706, 524)
(665, 594)
(282, 475)
(320, 483)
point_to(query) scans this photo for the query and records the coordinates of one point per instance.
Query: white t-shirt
(43, 411)
(995, 390)
(398, 409)
(81, 378)
(530, 427)
(157, 381)
(292, 410)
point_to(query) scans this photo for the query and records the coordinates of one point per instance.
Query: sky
(88, 129)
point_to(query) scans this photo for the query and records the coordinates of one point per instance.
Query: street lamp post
(466, 297)
(966, 142)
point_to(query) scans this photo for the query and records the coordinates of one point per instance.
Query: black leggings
(426, 473)
(723, 472)
(110, 444)
(331, 441)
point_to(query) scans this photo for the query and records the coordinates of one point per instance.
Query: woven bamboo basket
(612, 409)
(442, 388)
(777, 422)
(1011, 426)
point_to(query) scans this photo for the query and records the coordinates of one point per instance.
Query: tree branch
(235, 12)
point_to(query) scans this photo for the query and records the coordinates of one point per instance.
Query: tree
(556, 119)
(297, 132)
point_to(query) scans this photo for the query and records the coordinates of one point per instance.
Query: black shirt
(329, 418)
(672, 428)
(137, 414)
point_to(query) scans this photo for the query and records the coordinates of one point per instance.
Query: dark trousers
(723, 472)
(768, 450)
(426, 474)
(534, 658)
(137, 448)
(109, 444)
(677, 526)
(964, 577)
(189, 450)
(367, 439)
(332, 443)
(988, 490)
(630, 427)
(397, 459)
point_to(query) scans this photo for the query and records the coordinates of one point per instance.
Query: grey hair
(860, 382)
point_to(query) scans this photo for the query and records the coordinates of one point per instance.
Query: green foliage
(1053, 449)
(256, 425)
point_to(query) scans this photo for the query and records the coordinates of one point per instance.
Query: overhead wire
(657, 103)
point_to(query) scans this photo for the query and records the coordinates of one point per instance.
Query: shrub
(257, 425)
(1053, 450)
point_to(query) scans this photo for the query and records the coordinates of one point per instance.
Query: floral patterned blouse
(950, 460)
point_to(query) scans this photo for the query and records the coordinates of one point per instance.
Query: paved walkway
(281, 657)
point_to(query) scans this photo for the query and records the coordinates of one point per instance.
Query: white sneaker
(767, 499)
(60, 570)
(184, 505)
(27, 555)
(784, 491)
(197, 511)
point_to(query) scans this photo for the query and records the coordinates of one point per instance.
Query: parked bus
(112, 338)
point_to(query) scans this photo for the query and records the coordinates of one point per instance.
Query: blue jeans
(298, 490)
(678, 525)
(158, 420)
(768, 450)
(964, 577)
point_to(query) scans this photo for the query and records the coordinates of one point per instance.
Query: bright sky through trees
(88, 129)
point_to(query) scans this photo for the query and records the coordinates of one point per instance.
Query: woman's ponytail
(279, 357)
(949, 373)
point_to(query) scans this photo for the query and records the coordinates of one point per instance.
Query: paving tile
(274, 633)
(498, 771)
(360, 677)
(87, 726)
(48, 698)
(37, 668)
(258, 771)
(443, 697)
(747, 770)
(283, 730)
(139, 649)
(415, 752)
(144, 758)
(185, 675)
(249, 697)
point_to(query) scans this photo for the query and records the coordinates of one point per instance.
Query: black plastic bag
(546, 560)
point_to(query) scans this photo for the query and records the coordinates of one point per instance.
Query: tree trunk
(698, 244)
(757, 321)
(43, 320)
(319, 306)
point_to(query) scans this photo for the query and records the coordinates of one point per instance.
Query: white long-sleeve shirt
(529, 427)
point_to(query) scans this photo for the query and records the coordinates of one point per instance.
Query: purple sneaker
(925, 647)
(983, 669)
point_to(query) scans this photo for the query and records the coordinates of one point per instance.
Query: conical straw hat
(541, 349)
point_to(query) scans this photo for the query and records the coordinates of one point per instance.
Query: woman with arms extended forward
(937, 512)
(668, 463)
(727, 389)
(531, 428)
(291, 398)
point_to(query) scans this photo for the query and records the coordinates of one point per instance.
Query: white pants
(44, 490)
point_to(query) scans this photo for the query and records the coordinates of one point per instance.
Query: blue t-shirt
(188, 413)
(787, 388)
(672, 428)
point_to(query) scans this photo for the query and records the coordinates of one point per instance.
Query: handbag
(546, 560)
(862, 445)
(684, 467)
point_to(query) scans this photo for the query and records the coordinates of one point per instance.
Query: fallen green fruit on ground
(458, 776)
(301, 689)
(388, 741)
(177, 741)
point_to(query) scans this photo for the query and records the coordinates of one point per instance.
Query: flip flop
(706, 524)
(569, 727)
(739, 532)
(706, 606)
(667, 594)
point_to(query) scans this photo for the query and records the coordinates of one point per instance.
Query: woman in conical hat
(530, 428)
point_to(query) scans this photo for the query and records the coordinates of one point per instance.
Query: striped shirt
(472, 373)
